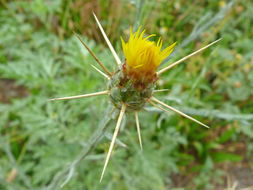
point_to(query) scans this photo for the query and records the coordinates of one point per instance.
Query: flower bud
(134, 83)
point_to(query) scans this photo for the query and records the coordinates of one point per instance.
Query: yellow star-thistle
(143, 56)
(132, 85)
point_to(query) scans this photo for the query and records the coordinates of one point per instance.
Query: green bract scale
(122, 89)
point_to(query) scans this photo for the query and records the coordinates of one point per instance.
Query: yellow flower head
(143, 56)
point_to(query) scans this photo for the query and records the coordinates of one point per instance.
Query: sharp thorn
(116, 57)
(161, 90)
(80, 96)
(173, 109)
(93, 55)
(186, 57)
(106, 76)
(138, 128)
(122, 112)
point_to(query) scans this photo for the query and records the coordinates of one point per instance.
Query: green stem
(67, 173)
(138, 15)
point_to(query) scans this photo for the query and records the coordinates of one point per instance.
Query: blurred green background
(40, 58)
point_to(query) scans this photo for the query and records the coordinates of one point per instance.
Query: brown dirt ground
(239, 173)
(9, 90)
